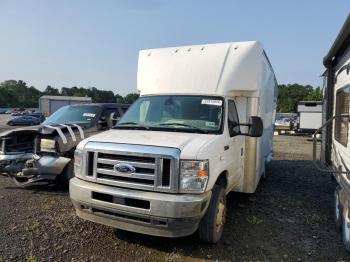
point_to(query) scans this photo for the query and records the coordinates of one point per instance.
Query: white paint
(218, 69)
(80, 131)
(70, 132)
(60, 133)
(232, 71)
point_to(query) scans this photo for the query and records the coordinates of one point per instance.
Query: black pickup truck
(45, 152)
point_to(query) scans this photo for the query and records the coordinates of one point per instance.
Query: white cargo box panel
(214, 69)
(310, 120)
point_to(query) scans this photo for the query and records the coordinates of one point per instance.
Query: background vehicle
(24, 121)
(44, 152)
(2, 111)
(40, 116)
(335, 150)
(309, 116)
(191, 138)
(16, 113)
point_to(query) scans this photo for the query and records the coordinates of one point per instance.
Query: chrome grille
(156, 168)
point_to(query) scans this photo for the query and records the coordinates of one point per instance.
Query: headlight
(193, 176)
(47, 145)
(78, 162)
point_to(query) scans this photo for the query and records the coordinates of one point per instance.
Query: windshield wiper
(185, 125)
(133, 124)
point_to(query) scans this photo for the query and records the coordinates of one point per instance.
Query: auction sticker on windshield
(211, 102)
(89, 114)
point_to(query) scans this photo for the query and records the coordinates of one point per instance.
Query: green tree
(289, 96)
(131, 98)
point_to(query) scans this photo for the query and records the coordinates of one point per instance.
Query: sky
(96, 43)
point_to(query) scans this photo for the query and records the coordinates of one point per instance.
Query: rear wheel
(212, 224)
(338, 209)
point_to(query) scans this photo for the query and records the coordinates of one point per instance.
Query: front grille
(155, 168)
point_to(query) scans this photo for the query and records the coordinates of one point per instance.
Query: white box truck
(201, 128)
(335, 147)
(309, 116)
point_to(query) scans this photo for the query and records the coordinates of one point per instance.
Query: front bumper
(6, 160)
(160, 214)
(32, 170)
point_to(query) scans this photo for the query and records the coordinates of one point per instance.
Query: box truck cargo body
(201, 128)
(335, 147)
(309, 116)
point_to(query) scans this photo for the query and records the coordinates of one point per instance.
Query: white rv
(335, 151)
(201, 128)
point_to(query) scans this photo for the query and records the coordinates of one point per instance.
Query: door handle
(226, 148)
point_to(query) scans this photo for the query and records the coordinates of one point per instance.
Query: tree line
(18, 94)
(290, 95)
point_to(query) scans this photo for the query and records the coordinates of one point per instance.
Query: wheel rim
(337, 207)
(220, 215)
(346, 226)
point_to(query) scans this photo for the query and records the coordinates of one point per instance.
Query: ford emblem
(124, 168)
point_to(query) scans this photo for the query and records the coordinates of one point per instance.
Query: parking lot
(3, 120)
(289, 218)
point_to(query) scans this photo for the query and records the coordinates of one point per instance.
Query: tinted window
(84, 115)
(233, 120)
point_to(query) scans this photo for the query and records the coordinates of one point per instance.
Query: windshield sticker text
(211, 124)
(89, 114)
(211, 102)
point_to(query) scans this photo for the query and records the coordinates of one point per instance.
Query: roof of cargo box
(202, 69)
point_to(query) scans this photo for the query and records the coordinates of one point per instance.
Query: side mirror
(255, 126)
(102, 123)
(114, 117)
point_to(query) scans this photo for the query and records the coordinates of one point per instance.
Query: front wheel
(212, 224)
(346, 229)
(338, 209)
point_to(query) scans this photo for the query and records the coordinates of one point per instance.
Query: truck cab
(44, 152)
(166, 167)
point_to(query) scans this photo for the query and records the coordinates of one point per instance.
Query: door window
(341, 127)
(233, 121)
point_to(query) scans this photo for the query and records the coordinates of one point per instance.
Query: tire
(346, 229)
(337, 209)
(212, 224)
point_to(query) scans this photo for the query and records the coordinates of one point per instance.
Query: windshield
(83, 115)
(200, 114)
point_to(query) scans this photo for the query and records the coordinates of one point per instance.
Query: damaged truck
(44, 152)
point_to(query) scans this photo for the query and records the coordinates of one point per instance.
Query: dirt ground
(289, 218)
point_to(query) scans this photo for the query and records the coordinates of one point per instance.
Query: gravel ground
(289, 218)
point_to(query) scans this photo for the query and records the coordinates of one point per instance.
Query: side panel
(258, 151)
(310, 120)
(340, 154)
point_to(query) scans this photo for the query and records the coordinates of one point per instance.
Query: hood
(27, 130)
(42, 129)
(188, 143)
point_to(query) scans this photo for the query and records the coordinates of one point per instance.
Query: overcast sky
(96, 43)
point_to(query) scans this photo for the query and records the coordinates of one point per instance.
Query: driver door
(235, 149)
